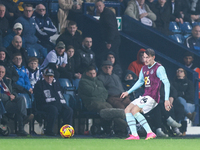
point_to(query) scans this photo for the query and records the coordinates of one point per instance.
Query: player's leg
(145, 104)
(131, 122)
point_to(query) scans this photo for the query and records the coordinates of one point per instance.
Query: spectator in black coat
(84, 57)
(49, 98)
(4, 24)
(71, 36)
(109, 29)
(16, 47)
(12, 10)
(11, 72)
(163, 13)
(185, 89)
(116, 66)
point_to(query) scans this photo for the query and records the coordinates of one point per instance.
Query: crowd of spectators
(32, 64)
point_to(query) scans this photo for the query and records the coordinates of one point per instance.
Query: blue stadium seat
(27, 99)
(173, 26)
(185, 27)
(195, 23)
(178, 38)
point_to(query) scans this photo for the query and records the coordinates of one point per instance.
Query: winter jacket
(29, 29)
(68, 39)
(112, 83)
(4, 26)
(46, 94)
(133, 11)
(136, 66)
(83, 58)
(12, 50)
(11, 72)
(7, 40)
(23, 80)
(185, 89)
(109, 27)
(4, 97)
(127, 84)
(193, 43)
(91, 89)
(44, 27)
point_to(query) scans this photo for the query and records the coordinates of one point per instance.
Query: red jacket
(136, 66)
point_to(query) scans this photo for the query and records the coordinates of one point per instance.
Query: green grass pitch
(97, 144)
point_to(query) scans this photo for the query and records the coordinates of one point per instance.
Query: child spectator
(23, 84)
(33, 71)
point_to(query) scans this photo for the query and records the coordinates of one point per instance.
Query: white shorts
(147, 103)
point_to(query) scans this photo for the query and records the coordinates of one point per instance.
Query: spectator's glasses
(41, 9)
(28, 11)
(179, 71)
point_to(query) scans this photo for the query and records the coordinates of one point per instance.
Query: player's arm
(161, 74)
(137, 85)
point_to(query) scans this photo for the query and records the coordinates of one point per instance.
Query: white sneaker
(171, 122)
(160, 133)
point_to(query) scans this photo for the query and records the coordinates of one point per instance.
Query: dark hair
(90, 68)
(33, 59)
(27, 5)
(71, 23)
(98, 1)
(150, 52)
(185, 72)
(195, 26)
(70, 47)
(188, 54)
(16, 54)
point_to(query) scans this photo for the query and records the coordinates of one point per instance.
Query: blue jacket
(44, 27)
(28, 29)
(23, 78)
(193, 43)
(7, 40)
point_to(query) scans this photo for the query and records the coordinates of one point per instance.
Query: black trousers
(52, 114)
(17, 107)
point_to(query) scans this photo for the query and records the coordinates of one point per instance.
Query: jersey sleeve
(52, 57)
(138, 84)
(161, 74)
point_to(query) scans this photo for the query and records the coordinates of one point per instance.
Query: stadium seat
(195, 23)
(185, 27)
(178, 38)
(173, 27)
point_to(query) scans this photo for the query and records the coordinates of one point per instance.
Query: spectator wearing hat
(57, 60)
(16, 47)
(48, 97)
(137, 65)
(116, 66)
(29, 30)
(17, 30)
(44, 27)
(193, 41)
(113, 85)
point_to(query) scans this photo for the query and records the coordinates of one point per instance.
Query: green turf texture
(97, 144)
